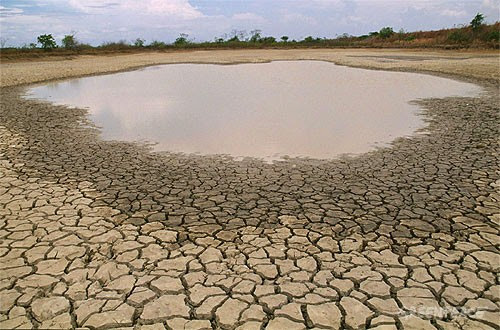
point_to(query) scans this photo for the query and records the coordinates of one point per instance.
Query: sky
(98, 21)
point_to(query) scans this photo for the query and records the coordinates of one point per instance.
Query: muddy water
(296, 108)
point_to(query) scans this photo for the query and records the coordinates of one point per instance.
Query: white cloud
(453, 13)
(26, 20)
(247, 17)
(175, 8)
(491, 4)
(298, 18)
(4, 11)
(88, 5)
(323, 3)
(178, 8)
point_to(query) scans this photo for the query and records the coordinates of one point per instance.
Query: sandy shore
(480, 65)
(106, 234)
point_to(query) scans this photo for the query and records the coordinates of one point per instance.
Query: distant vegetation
(47, 41)
(474, 35)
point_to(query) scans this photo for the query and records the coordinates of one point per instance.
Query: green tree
(255, 35)
(157, 44)
(47, 41)
(477, 22)
(268, 40)
(181, 40)
(284, 38)
(386, 32)
(139, 42)
(69, 41)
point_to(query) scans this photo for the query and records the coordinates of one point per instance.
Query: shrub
(255, 35)
(386, 32)
(493, 36)
(47, 41)
(157, 44)
(233, 39)
(268, 40)
(344, 36)
(181, 40)
(458, 37)
(69, 41)
(121, 44)
(81, 46)
(139, 42)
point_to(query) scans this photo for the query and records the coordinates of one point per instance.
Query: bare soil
(482, 65)
(106, 234)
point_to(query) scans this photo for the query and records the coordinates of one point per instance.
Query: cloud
(324, 3)
(248, 17)
(89, 5)
(490, 4)
(4, 11)
(163, 20)
(298, 18)
(175, 8)
(453, 13)
(178, 8)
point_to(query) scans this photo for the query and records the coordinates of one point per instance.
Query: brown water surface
(295, 108)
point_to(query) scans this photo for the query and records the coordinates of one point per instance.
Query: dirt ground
(107, 234)
(475, 64)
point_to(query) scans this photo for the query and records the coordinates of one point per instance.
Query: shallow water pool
(288, 108)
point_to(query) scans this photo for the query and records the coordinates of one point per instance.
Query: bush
(233, 39)
(121, 44)
(255, 35)
(157, 44)
(182, 40)
(69, 41)
(308, 39)
(458, 37)
(493, 36)
(386, 32)
(139, 42)
(47, 41)
(81, 46)
(268, 40)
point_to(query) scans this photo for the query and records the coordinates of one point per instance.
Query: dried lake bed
(102, 234)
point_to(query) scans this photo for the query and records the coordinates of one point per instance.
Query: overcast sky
(98, 21)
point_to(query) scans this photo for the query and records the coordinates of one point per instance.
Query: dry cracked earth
(100, 234)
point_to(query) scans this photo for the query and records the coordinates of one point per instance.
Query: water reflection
(301, 108)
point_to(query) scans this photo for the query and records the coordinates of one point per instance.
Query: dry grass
(487, 37)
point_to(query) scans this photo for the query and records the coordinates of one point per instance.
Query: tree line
(238, 39)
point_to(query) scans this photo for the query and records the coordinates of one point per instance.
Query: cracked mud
(100, 234)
